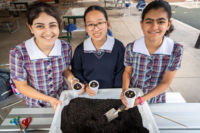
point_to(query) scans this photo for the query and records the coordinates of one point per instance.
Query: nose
(154, 25)
(47, 30)
(96, 28)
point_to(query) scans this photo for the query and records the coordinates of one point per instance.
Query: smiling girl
(38, 65)
(151, 61)
(100, 57)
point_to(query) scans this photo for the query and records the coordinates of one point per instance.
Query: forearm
(68, 75)
(29, 91)
(162, 87)
(126, 80)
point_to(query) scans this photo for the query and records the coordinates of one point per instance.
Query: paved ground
(190, 16)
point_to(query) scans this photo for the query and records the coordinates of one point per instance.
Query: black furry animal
(84, 115)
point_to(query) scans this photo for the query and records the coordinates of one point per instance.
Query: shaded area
(190, 16)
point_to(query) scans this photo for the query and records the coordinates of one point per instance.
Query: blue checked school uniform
(43, 73)
(149, 69)
(105, 65)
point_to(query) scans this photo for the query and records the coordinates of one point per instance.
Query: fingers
(54, 102)
(123, 99)
(90, 91)
(136, 102)
(59, 102)
(82, 90)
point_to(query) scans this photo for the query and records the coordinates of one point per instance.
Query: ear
(108, 24)
(86, 29)
(169, 24)
(30, 28)
(141, 24)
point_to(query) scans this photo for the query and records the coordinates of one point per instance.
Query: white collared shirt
(108, 45)
(35, 53)
(166, 47)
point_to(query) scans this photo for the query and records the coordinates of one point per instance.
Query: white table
(41, 119)
(170, 118)
(177, 117)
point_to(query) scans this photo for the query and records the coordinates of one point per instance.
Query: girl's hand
(90, 91)
(82, 89)
(136, 102)
(123, 99)
(54, 102)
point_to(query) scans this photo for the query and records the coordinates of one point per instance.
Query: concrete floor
(127, 29)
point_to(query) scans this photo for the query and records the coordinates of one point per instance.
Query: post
(197, 45)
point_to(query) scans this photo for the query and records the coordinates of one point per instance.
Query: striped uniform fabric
(148, 70)
(45, 75)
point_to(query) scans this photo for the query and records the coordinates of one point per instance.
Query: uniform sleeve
(77, 68)
(16, 61)
(175, 60)
(68, 55)
(128, 56)
(119, 68)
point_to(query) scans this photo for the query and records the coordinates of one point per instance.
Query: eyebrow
(43, 23)
(95, 21)
(153, 19)
(53, 22)
(38, 23)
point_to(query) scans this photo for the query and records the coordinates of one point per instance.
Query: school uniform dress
(105, 65)
(43, 73)
(148, 69)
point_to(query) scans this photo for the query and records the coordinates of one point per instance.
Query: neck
(152, 46)
(46, 49)
(99, 43)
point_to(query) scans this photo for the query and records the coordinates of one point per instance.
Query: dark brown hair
(156, 5)
(97, 8)
(36, 8)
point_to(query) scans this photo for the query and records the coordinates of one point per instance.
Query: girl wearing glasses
(100, 57)
(37, 65)
(152, 61)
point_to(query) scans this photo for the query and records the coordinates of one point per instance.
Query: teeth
(153, 32)
(47, 38)
(96, 35)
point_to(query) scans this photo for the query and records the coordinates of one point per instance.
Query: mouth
(97, 35)
(154, 32)
(48, 37)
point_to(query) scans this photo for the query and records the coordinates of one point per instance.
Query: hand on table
(89, 91)
(54, 102)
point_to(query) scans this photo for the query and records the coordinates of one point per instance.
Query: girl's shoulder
(178, 48)
(130, 45)
(118, 43)
(65, 44)
(79, 47)
(19, 49)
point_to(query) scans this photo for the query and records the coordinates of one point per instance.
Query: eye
(161, 22)
(99, 23)
(148, 22)
(90, 25)
(40, 26)
(52, 25)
